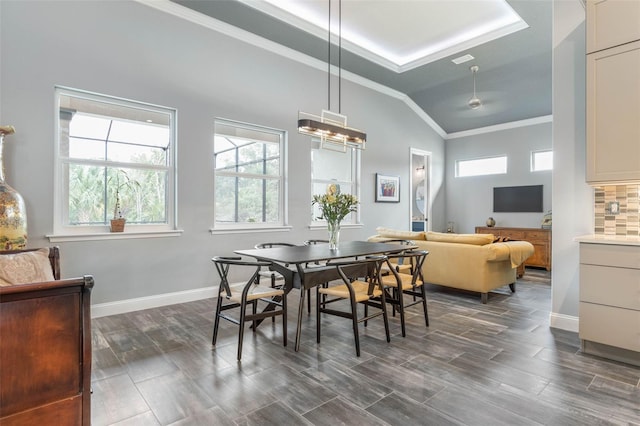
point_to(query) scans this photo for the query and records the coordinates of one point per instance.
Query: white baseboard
(140, 303)
(564, 322)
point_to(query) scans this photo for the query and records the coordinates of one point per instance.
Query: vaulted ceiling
(408, 45)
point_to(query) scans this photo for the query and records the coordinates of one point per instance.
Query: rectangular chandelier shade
(331, 127)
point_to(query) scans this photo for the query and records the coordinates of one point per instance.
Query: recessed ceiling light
(462, 59)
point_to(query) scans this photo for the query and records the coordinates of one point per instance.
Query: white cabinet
(613, 114)
(610, 300)
(612, 23)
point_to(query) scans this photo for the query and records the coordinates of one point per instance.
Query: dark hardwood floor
(493, 364)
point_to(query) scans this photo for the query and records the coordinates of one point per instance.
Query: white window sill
(246, 230)
(323, 226)
(58, 238)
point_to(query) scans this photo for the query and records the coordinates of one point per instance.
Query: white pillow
(24, 268)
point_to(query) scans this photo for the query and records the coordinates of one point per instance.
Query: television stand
(540, 238)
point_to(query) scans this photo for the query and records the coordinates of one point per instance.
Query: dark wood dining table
(301, 265)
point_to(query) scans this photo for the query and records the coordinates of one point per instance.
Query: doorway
(420, 181)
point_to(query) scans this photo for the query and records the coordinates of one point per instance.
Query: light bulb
(474, 103)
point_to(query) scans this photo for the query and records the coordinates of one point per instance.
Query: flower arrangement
(334, 205)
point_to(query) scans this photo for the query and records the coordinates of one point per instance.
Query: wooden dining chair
(274, 277)
(397, 284)
(314, 265)
(241, 295)
(399, 263)
(366, 291)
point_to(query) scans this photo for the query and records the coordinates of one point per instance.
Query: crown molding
(255, 40)
(499, 127)
(198, 18)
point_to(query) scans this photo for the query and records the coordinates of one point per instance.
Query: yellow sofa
(466, 261)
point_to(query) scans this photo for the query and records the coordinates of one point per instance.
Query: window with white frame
(541, 160)
(334, 167)
(108, 145)
(249, 175)
(481, 166)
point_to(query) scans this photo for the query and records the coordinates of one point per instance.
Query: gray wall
(470, 199)
(130, 50)
(572, 197)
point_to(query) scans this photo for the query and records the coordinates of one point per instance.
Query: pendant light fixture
(331, 127)
(474, 102)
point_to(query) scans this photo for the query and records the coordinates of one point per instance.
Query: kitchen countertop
(609, 239)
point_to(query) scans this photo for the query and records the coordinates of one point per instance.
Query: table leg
(299, 325)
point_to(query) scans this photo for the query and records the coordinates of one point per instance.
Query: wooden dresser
(540, 238)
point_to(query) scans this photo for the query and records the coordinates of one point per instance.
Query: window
(334, 167)
(107, 144)
(541, 160)
(249, 169)
(481, 166)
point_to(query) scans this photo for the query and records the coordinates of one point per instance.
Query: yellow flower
(335, 207)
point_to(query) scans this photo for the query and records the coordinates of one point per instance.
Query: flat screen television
(510, 199)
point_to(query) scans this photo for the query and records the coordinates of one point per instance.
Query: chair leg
(318, 314)
(284, 320)
(366, 313)
(354, 320)
(216, 322)
(273, 285)
(254, 310)
(424, 305)
(484, 297)
(241, 331)
(394, 293)
(308, 302)
(385, 317)
(512, 286)
(401, 311)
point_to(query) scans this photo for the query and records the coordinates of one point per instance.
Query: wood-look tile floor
(493, 364)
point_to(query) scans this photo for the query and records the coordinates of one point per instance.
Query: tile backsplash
(627, 221)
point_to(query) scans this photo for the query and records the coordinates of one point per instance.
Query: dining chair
(242, 294)
(312, 265)
(272, 275)
(366, 291)
(401, 284)
(399, 263)
(276, 278)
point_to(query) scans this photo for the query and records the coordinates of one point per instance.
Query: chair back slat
(417, 258)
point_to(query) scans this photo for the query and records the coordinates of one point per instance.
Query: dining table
(304, 266)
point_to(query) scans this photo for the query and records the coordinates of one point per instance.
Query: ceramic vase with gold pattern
(13, 213)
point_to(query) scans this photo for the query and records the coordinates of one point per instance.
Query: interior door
(420, 189)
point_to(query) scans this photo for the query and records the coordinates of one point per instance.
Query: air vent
(462, 59)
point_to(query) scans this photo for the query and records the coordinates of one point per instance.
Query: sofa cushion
(27, 267)
(394, 233)
(474, 239)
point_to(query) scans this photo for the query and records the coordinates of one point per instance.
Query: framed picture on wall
(387, 188)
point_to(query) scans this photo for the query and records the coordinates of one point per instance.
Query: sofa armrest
(519, 251)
